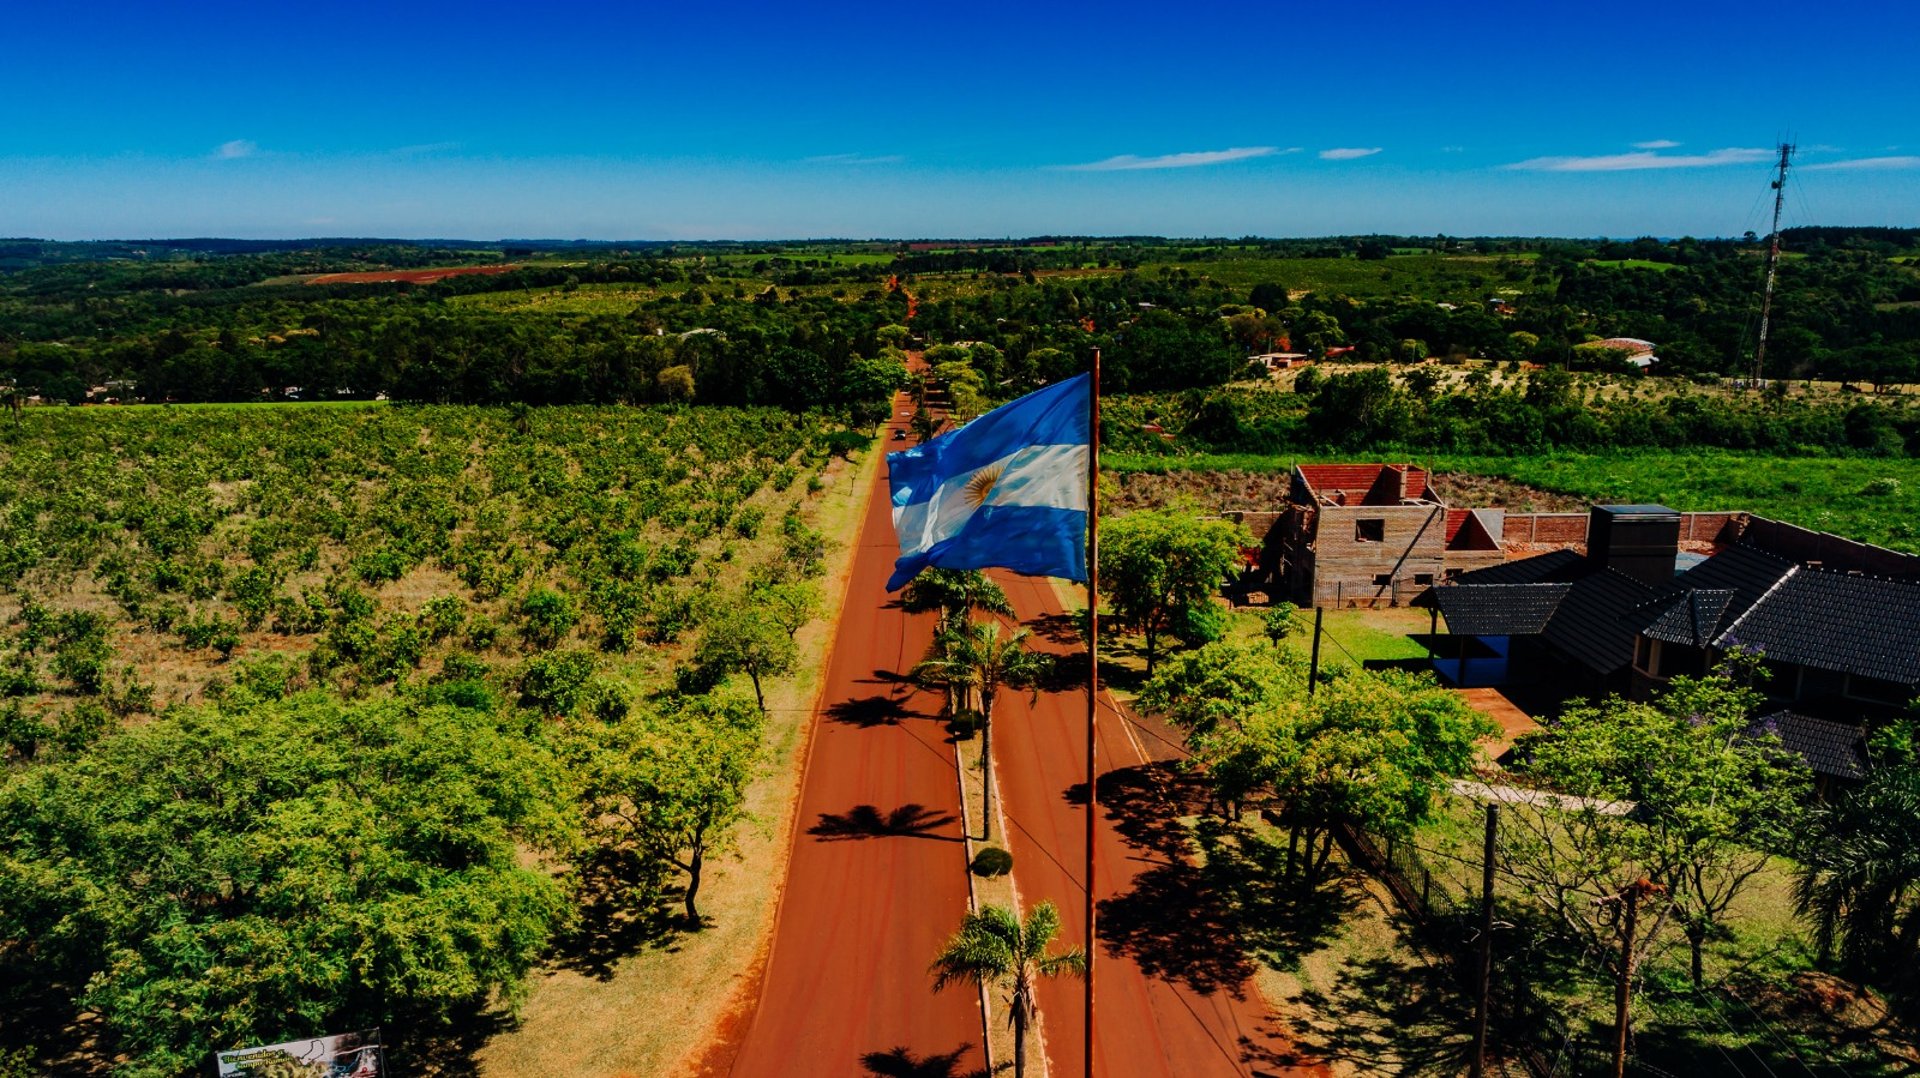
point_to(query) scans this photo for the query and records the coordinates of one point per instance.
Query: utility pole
(1773, 262)
(1623, 989)
(1313, 665)
(1485, 991)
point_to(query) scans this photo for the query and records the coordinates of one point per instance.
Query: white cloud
(236, 149)
(1348, 153)
(855, 159)
(1656, 144)
(1127, 162)
(1870, 162)
(1644, 159)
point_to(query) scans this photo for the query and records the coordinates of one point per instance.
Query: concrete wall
(1831, 551)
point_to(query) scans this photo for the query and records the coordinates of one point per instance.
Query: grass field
(1455, 277)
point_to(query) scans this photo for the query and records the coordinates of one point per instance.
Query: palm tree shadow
(1058, 629)
(867, 821)
(867, 712)
(900, 1062)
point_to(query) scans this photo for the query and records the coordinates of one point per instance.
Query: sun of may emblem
(982, 483)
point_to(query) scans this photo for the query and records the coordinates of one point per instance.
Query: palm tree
(995, 947)
(974, 657)
(954, 594)
(1860, 880)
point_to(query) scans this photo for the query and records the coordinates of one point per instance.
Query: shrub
(549, 616)
(270, 676)
(1881, 487)
(992, 861)
(554, 682)
(443, 616)
(964, 724)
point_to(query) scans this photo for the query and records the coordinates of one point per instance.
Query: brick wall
(1347, 571)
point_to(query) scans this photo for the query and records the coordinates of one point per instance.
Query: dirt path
(1174, 990)
(877, 880)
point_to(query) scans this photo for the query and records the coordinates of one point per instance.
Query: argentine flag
(1007, 490)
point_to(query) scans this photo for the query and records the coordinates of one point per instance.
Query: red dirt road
(878, 879)
(415, 276)
(1173, 988)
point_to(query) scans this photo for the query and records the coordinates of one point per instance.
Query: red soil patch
(415, 276)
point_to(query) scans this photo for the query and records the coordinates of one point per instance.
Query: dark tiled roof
(1558, 566)
(1748, 571)
(1692, 616)
(1594, 624)
(1831, 748)
(1836, 621)
(1498, 609)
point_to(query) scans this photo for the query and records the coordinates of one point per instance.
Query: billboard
(344, 1055)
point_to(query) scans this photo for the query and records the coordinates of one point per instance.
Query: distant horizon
(1031, 238)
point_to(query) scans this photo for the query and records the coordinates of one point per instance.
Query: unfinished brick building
(1380, 535)
(1373, 535)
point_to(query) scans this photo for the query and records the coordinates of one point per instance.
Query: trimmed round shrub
(992, 861)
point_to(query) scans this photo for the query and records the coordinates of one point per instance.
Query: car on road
(899, 435)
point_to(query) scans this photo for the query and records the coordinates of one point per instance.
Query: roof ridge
(1791, 572)
(1856, 574)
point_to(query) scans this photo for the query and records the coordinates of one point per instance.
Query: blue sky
(753, 119)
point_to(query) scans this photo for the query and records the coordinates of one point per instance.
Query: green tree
(265, 871)
(547, 616)
(742, 637)
(791, 604)
(1374, 748)
(954, 595)
(1278, 624)
(1711, 803)
(675, 383)
(996, 946)
(974, 657)
(1161, 570)
(1859, 881)
(673, 783)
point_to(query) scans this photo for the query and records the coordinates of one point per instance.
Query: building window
(1370, 530)
(1422, 580)
(1877, 691)
(1643, 654)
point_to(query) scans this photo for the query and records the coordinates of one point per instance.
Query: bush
(549, 617)
(992, 861)
(964, 724)
(555, 681)
(1881, 487)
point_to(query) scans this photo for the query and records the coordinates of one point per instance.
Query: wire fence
(1724, 1033)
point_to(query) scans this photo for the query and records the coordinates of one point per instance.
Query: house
(1631, 350)
(1279, 361)
(1379, 535)
(1373, 535)
(1840, 643)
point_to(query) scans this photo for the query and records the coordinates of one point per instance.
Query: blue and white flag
(1007, 490)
